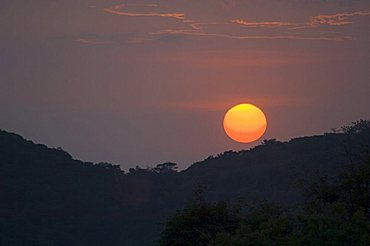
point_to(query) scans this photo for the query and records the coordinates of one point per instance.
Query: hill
(49, 198)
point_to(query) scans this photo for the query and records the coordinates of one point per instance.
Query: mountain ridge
(50, 198)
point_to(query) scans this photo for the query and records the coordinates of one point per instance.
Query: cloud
(251, 37)
(210, 26)
(263, 24)
(120, 10)
(139, 40)
(221, 105)
(336, 19)
(143, 4)
(93, 41)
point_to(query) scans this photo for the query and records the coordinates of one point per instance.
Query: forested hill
(48, 198)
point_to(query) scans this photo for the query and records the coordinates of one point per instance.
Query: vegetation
(335, 213)
(49, 198)
(199, 222)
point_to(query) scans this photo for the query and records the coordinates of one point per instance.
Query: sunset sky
(143, 82)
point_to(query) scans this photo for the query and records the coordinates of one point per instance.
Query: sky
(144, 82)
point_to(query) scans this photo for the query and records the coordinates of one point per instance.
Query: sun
(245, 123)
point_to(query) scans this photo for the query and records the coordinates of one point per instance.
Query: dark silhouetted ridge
(48, 198)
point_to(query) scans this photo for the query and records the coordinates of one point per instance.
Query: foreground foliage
(336, 212)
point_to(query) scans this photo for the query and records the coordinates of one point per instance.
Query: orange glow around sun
(245, 123)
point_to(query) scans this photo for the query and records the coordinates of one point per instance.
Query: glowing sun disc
(245, 123)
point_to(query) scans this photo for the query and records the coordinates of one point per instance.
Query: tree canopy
(336, 212)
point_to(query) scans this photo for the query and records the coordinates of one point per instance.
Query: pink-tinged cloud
(143, 4)
(93, 41)
(250, 37)
(336, 19)
(219, 30)
(263, 24)
(120, 10)
(224, 104)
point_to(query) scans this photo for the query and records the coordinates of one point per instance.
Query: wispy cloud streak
(263, 24)
(221, 104)
(250, 37)
(277, 29)
(120, 10)
(92, 41)
(336, 19)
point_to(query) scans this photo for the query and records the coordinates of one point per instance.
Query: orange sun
(245, 123)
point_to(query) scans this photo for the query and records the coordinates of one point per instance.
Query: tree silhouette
(167, 167)
(336, 213)
(199, 223)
